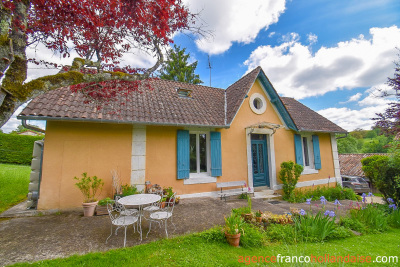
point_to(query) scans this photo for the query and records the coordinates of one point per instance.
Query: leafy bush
(394, 218)
(215, 234)
(105, 201)
(330, 194)
(234, 224)
(17, 149)
(253, 236)
(89, 187)
(383, 173)
(128, 190)
(353, 224)
(289, 175)
(243, 196)
(373, 217)
(279, 232)
(340, 232)
(314, 227)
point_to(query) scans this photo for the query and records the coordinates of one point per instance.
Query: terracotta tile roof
(236, 93)
(208, 106)
(161, 105)
(350, 164)
(308, 120)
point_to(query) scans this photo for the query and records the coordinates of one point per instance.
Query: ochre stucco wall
(73, 148)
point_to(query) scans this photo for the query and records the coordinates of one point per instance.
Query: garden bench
(237, 191)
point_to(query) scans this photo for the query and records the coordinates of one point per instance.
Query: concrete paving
(39, 235)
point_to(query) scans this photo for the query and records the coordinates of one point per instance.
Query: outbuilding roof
(350, 164)
(206, 106)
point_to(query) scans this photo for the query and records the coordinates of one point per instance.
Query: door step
(267, 194)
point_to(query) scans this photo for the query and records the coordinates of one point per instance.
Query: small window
(308, 154)
(184, 92)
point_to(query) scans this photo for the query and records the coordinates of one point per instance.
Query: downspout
(31, 127)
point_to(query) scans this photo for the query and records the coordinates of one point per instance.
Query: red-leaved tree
(100, 31)
(389, 121)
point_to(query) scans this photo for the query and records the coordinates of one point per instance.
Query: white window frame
(311, 168)
(201, 177)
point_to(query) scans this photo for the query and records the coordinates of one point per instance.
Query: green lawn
(194, 250)
(14, 181)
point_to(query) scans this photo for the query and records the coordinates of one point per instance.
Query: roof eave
(45, 118)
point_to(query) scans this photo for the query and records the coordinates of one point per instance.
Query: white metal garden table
(139, 200)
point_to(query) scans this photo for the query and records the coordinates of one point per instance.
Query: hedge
(17, 149)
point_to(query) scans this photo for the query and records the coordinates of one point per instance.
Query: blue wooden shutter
(317, 154)
(216, 159)
(183, 154)
(298, 148)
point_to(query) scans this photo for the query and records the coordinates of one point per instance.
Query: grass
(14, 181)
(195, 250)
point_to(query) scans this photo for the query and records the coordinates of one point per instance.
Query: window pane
(203, 152)
(261, 157)
(254, 158)
(305, 147)
(193, 160)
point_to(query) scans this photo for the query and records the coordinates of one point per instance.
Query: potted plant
(177, 199)
(89, 187)
(101, 208)
(233, 228)
(162, 203)
(247, 211)
(258, 216)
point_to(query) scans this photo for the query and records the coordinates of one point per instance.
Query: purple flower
(302, 212)
(326, 212)
(323, 200)
(390, 200)
(332, 214)
(393, 206)
(364, 197)
(370, 194)
(308, 201)
(337, 203)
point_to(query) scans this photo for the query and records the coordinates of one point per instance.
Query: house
(182, 135)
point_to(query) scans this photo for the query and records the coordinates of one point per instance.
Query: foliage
(347, 145)
(22, 129)
(242, 210)
(17, 149)
(340, 232)
(14, 181)
(330, 193)
(168, 192)
(377, 145)
(314, 227)
(215, 234)
(99, 31)
(177, 68)
(383, 173)
(374, 218)
(394, 218)
(105, 201)
(258, 213)
(253, 236)
(353, 224)
(270, 217)
(289, 175)
(128, 190)
(89, 186)
(234, 224)
(281, 232)
(243, 196)
(390, 119)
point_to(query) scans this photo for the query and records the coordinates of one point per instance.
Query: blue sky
(330, 55)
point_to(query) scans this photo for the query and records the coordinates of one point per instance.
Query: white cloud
(271, 34)
(296, 72)
(352, 98)
(234, 21)
(312, 38)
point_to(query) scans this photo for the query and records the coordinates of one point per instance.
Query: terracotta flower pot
(89, 208)
(233, 240)
(248, 217)
(259, 219)
(162, 205)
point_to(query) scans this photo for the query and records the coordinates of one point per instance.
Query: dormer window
(184, 92)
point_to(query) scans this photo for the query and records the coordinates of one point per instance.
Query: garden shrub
(279, 232)
(252, 237)
(383, 173)
(17, 149)
(394, 218)
(289, 175)
(374, 218)
(330, 194)
(353, 224)
(340, 232)
(215, 234)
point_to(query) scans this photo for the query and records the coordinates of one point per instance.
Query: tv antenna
(209, 67)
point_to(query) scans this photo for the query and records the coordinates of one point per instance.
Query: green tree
(177, 68)
(379, 144)
(347, 145)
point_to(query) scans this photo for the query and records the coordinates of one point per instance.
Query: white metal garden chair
(125, 211)
(116, 213)
(163, 215)
(156, 205)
